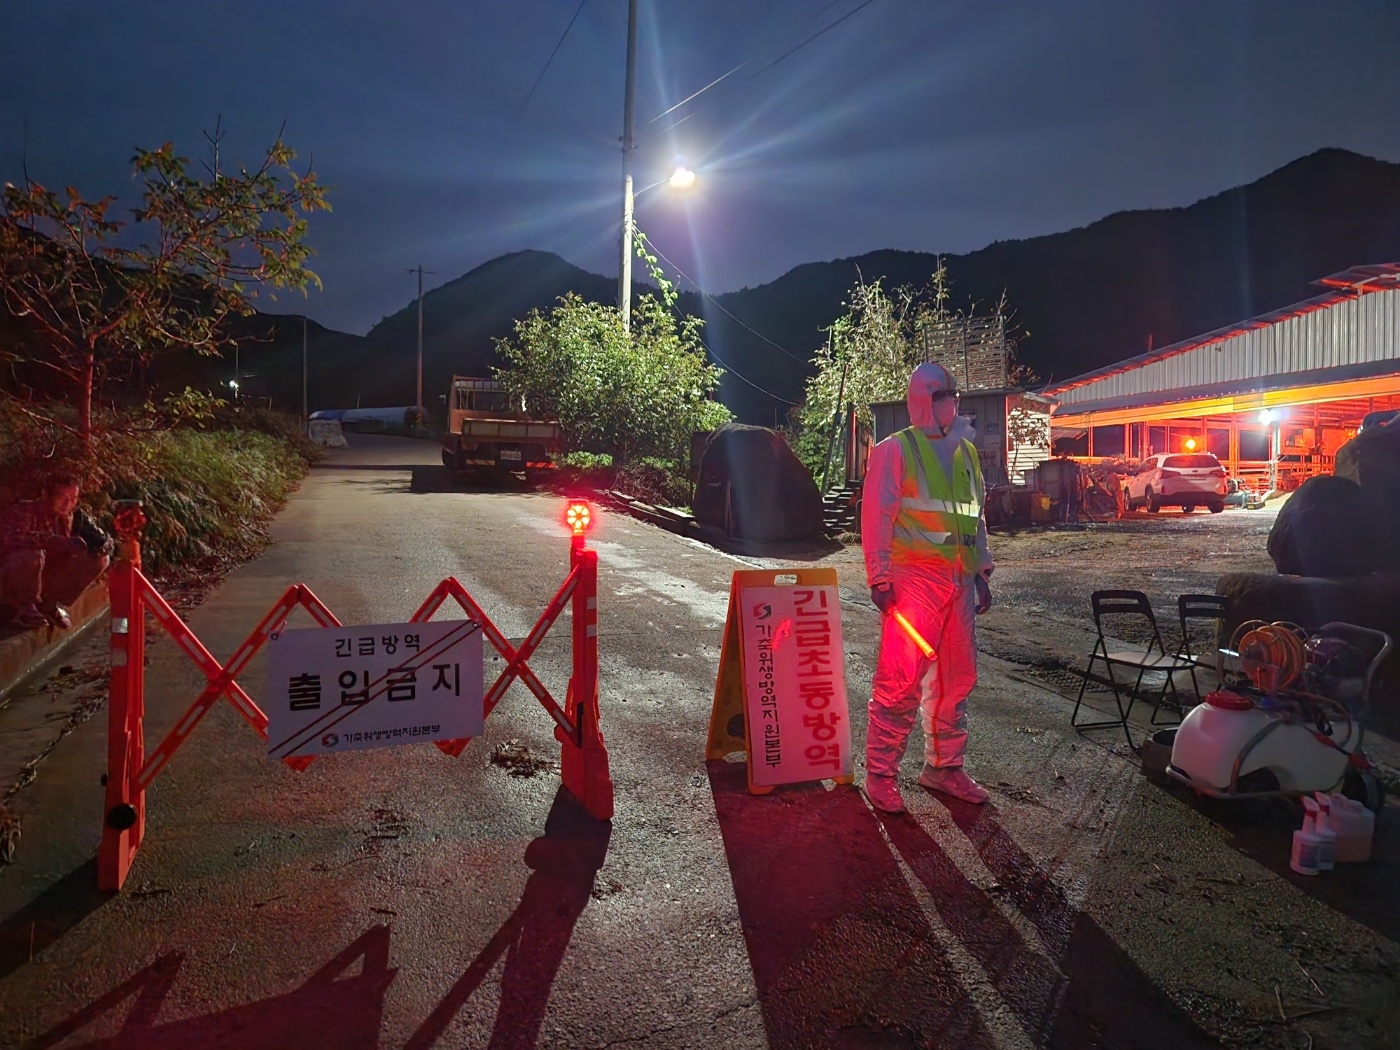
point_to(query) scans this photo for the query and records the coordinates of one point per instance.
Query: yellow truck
(489, 432)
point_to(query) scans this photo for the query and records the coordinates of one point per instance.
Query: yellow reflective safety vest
(937, 516)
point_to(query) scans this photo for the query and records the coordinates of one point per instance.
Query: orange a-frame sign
(780, 695)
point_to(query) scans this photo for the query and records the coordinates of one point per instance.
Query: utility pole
(420, 272)
(624, 280)
(305, 417)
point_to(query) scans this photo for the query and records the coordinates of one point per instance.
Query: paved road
(399, 898)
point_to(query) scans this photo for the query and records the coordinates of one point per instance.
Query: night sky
(915, 124)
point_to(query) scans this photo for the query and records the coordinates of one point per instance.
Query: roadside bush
(659, 482)
(208, 485)
(206, 494)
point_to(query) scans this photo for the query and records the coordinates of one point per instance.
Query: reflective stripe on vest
(937, 517)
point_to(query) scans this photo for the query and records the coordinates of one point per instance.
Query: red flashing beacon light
(579, 517)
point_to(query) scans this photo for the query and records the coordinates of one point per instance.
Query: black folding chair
(1210, 607)
(1122, 605)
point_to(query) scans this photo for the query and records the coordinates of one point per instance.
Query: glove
(883, 596)
(984, 594)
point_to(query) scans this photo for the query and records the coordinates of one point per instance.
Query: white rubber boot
(883, 793)
(953, 780)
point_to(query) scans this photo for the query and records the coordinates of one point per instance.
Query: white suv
(1184, 479)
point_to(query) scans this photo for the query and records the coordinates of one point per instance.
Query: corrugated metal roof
(1339, 329)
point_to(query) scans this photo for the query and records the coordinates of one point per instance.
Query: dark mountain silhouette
(1096, 295)
(1087, 297)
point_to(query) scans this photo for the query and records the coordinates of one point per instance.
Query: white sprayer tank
(1211, 737)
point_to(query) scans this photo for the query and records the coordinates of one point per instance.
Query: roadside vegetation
(628, 398)
(209, 479)
(93, 293)
(869, 353)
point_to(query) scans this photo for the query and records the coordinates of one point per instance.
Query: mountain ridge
(1088, 296)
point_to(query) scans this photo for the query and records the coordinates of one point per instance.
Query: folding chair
(1153, 657)
(1212, 607)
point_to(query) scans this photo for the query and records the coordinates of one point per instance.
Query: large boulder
(1325, 529)
(752, 486)
(1372, 460)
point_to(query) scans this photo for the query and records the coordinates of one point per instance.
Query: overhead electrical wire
(728, 368)
(758, 72)
(548, 62)
(718, 304)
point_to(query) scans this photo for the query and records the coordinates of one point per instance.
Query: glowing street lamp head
(578, 516)
(682, 178)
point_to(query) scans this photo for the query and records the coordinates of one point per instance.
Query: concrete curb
(25, 654)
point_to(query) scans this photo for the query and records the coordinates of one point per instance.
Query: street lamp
(682, 178)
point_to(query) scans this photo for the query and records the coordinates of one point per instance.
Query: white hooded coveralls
(937, 597)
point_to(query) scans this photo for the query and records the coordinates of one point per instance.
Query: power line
(728, 368)
(720, 305)
(547, 63)
(786, 54)
(819, 32)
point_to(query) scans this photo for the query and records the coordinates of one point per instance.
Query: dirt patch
(517, 760)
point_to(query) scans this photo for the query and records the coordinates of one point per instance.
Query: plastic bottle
(1305, 848)
(1327, 838)
(1355, 826)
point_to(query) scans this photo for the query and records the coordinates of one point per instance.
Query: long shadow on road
(1104, 998)
(842, 954)
(565, 861)
(48, 917)
(330, 1010)
(336, 1011)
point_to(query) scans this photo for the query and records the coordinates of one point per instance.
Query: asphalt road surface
(400, 898)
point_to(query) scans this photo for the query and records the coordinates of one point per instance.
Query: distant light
(682, 179)
(1190, 444)
(578, 517)
(1267, 416)
(233, 383)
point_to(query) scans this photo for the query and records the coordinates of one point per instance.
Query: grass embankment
(208, 486)
(656, 481)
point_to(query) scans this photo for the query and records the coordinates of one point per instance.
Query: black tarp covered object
(752, 486)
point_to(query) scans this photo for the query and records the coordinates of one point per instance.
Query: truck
(491, 432)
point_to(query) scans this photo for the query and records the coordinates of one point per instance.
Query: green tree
(98, 295)
(872, 348)
(630, 393)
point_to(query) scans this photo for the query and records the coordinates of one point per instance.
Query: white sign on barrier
(336, 689)
(795, 684)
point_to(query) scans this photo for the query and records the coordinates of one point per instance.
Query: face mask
(945, 411)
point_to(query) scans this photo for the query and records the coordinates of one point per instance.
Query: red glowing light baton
(913, 634)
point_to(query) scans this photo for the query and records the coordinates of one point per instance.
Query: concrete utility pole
(624, 280)
(420, 272)
(305, 416)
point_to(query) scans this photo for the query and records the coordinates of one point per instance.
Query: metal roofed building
(1273, 397)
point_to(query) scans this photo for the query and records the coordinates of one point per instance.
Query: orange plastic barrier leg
(584, 757)
(124, 810)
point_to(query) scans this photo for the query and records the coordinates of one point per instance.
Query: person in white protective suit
(925, 540)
